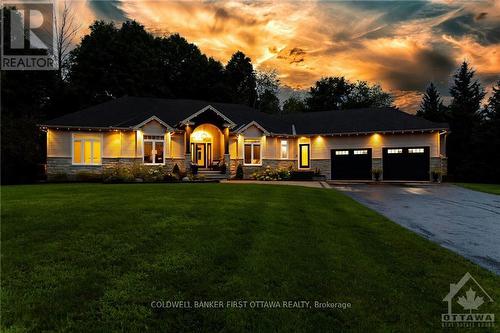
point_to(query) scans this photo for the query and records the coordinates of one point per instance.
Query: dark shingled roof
(127, 112)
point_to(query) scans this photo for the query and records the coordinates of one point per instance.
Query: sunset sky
(400, 44)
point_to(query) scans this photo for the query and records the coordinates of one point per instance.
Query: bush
(239, 171)
(194, 168)
(376, 173)
(117, 173)
(436, 175)
(223, 168)
(176, 170)
(88, 176)
(272, 174)
(301, 175)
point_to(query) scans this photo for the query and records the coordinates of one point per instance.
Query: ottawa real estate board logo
(470, 296)
(28, 35)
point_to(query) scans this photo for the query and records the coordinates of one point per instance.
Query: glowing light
(200, 136)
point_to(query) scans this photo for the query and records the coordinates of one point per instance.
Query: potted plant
(436, 175)
(239, 172)
(223, 168)
(377, 172)
(194, 168)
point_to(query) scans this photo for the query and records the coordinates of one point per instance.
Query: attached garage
(406, 163)
(354, 164)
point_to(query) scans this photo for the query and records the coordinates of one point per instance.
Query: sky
(401, 45)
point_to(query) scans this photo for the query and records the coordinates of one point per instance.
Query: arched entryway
(207, 145)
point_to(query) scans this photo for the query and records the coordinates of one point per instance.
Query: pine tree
(493, 107)
(431, 107)
(465, 117)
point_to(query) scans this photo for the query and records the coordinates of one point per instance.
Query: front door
(201, 155)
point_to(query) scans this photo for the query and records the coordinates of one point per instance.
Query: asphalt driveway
(464, 221)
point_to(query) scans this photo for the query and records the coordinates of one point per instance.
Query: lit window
(394, 151)
(153, 149)
(284, 149)
(416, 150)
(86, 149)
(342, 152)
(304, 155)
(252, 152)
(361, 152)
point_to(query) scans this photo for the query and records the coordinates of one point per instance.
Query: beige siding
(252, 132)
(177, 145)
(321, 145)
(153, 127)
(58, 143)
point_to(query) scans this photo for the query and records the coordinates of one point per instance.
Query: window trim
(101, 141)
(153, 141)
(301, 166)
(287, 150)
(254, 142)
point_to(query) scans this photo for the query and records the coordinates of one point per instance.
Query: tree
(492, 109)
(269, 102)
(240, 79)
(329, 93)
(294, 104)
(364, 95)
(267, 88)
(465, 117)
(66, 29)
(431, 107)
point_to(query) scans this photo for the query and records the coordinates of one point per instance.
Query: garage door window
(361, 152)
(342, 152)
(416, 150)
(394, 151)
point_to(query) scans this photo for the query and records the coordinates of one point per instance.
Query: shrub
(301, 175)
(117, 173)
(223, 168)
(376, 172)
(272, 174)
(436, 174)
(239, 171)
(194, 168)
(176, 170)
(88, 176)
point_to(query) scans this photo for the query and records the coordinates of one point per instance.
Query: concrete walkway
(314, 184)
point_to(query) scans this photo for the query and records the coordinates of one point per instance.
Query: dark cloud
(467, 24)
(481, 16)
(108, 10)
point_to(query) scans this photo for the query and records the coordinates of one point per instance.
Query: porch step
(212, 175)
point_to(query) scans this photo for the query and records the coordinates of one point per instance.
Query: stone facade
(171, 162)
(324, 166)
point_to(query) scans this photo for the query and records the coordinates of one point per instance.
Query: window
(342, 152)
(361, 152)
(304, 154)
(394, 151)
(284, 149)
(153, 149)
(252, 152)
(416, 150)
(86, 149)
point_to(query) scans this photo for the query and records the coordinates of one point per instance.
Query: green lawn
(487, 188)
(92, 258)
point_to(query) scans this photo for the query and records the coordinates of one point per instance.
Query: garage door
(408, 163)
(352, 163)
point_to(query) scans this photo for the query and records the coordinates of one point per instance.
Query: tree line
(473, 146)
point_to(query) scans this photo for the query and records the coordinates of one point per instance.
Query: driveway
(464, 221)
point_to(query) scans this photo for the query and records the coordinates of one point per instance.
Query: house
(341, 144)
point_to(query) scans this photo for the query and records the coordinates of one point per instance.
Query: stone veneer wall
(62, 165)
(324, 165)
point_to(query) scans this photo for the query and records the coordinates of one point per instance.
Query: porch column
(187, 138)
(226, 140)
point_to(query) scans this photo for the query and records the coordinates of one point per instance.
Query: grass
(487, 188)
(92, 258)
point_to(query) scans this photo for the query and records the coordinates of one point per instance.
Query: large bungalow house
(345, 144)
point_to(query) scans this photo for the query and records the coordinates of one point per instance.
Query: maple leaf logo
(471, 301)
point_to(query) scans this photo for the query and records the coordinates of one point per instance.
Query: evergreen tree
(294, 104)
(240, 79)
(431, 107)
(492, 110)
(465, 116)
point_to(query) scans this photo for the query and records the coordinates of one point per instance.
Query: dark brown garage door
(406, 163)
(352, 163)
